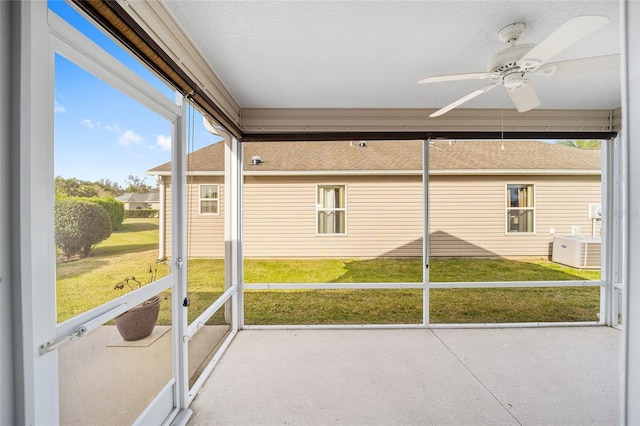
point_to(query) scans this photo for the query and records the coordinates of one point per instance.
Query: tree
(109, 187)
(581, 143)
(74, 187)
(136, 184)
(79, 226)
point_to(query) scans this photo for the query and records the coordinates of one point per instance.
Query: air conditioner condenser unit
(577, 251)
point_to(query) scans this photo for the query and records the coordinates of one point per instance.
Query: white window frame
(200, 199)
(320, 209)
(508, 208)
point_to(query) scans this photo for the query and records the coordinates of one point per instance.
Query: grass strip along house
(364, 199)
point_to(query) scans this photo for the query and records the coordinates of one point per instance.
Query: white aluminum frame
(230, 299)
(611, 235)
(372, 286)
(6, 281)
(631, 216)
(426, 283)
(34, 262)
(65, 40)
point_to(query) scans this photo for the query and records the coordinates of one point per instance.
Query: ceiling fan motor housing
(506, 61)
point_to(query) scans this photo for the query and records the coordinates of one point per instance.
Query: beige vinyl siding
(205, 233)
(384, 216)
(468, 213)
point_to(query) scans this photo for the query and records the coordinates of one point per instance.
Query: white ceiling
(344, 54)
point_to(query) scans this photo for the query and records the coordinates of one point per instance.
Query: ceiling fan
(513, 66)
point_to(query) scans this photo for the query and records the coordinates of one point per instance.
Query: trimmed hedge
(114, 208)
(79, 226)
(141, 213)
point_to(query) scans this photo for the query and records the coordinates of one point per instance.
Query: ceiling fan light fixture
(514, 80)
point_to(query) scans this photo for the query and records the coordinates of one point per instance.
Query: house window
(331, 210)
(209, 199)
(520, 208)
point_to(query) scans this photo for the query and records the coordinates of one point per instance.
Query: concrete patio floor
(512, 376)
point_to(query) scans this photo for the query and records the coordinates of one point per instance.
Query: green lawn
(405, 305)
(86, 283)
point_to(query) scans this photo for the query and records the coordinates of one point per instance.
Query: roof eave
(456, 172)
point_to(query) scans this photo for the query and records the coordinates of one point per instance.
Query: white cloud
(112, 128)
(164, 142)
(58, 108)
(93, 125)
(130, 137)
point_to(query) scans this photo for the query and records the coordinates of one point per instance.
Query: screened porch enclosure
(348, 274)
(377, 261)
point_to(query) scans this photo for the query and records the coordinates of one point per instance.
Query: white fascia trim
(474, 172)
(168, 173)
(332, 172)
(518, 172)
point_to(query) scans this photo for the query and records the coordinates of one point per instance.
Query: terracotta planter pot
(139, 321)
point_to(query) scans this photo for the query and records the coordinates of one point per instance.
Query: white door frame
(42, 35)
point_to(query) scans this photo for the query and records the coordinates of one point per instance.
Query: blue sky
(99, 131)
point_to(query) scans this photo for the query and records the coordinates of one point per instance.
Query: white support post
(425, 232)
(606, 232)
(238, 248)
(229, 202)
(232, 226)
(179, 261)
(31, 212)
(162, 219)
(631, 140)
(232, 222)
(614, 229)
(6, 282)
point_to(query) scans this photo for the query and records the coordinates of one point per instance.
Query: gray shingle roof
(398, 155)
(137, 197)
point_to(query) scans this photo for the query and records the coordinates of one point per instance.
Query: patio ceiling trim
(175, 63)
(263, 124)
(424, 135)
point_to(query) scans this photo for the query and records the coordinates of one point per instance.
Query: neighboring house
(352, 199)
(137, 201)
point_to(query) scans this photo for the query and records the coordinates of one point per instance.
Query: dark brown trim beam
(114, 19)
(335, 136)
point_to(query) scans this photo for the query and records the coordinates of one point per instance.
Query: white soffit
(352, 54)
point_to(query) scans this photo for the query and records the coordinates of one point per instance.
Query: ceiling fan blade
(579, 66)
(524, 98)
(456, 77)
(462, 100)
(572, 31)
